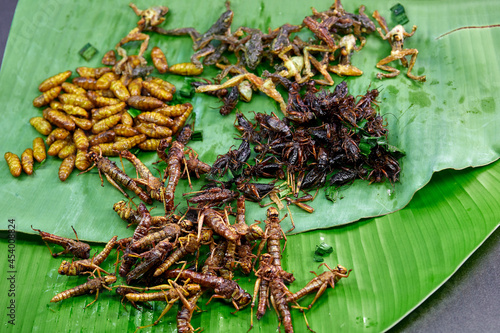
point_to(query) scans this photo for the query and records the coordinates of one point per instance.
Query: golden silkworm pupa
(39, 152)
(14, 163)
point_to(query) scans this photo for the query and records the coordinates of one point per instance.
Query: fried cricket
(116, 176)
(94, 285)
(223, 288)
(87, 266)
(319, 283)
(77, 248)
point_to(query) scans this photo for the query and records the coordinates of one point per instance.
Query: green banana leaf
(397, 260)
(447, 122)
(451, 121)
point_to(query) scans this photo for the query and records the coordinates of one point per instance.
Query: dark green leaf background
(451, 121)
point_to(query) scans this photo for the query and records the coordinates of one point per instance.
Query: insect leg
(112, 182)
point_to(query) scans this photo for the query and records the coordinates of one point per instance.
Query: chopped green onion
(133, 112)
(37, 165)
(318, 258)
(187, 90)
(88, 51)
(398, 12)
(323, 249)
(197, 136)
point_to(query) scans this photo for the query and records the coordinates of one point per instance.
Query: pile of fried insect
(324, 136)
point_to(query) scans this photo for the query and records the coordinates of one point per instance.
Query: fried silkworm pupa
(39, 152)
(186, 69)
(165, 84)
(80, 139)
(54, 81)
(46, 97)
(92, 72)
(71, 88)
(69, 149)
(129, 143)
(84, 82)
(74, 110)
(67, 166)
(56, 105)
(127, 119)
(173, 110)
(82, 162)
(56, 147)
(41, 125)
(106, 149)
(83, 123)
(104, 82)
(151, 144)
(14, 163)
(76, 99)
(123, 130)
(109, 58)
(99, 100)
(154, 131)
(106, 123)
(159, 60)
(27, 161)
(107, 111)
(156, 118)
(58, 118)
(120, 90)
(144, 103)
(57, 134)
(157, 91)
(135, 87)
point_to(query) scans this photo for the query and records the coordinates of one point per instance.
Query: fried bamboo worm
(223, 288)
(77, 248)
(92, 286)
(116, 176)
(320, 283)
(88, 265)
